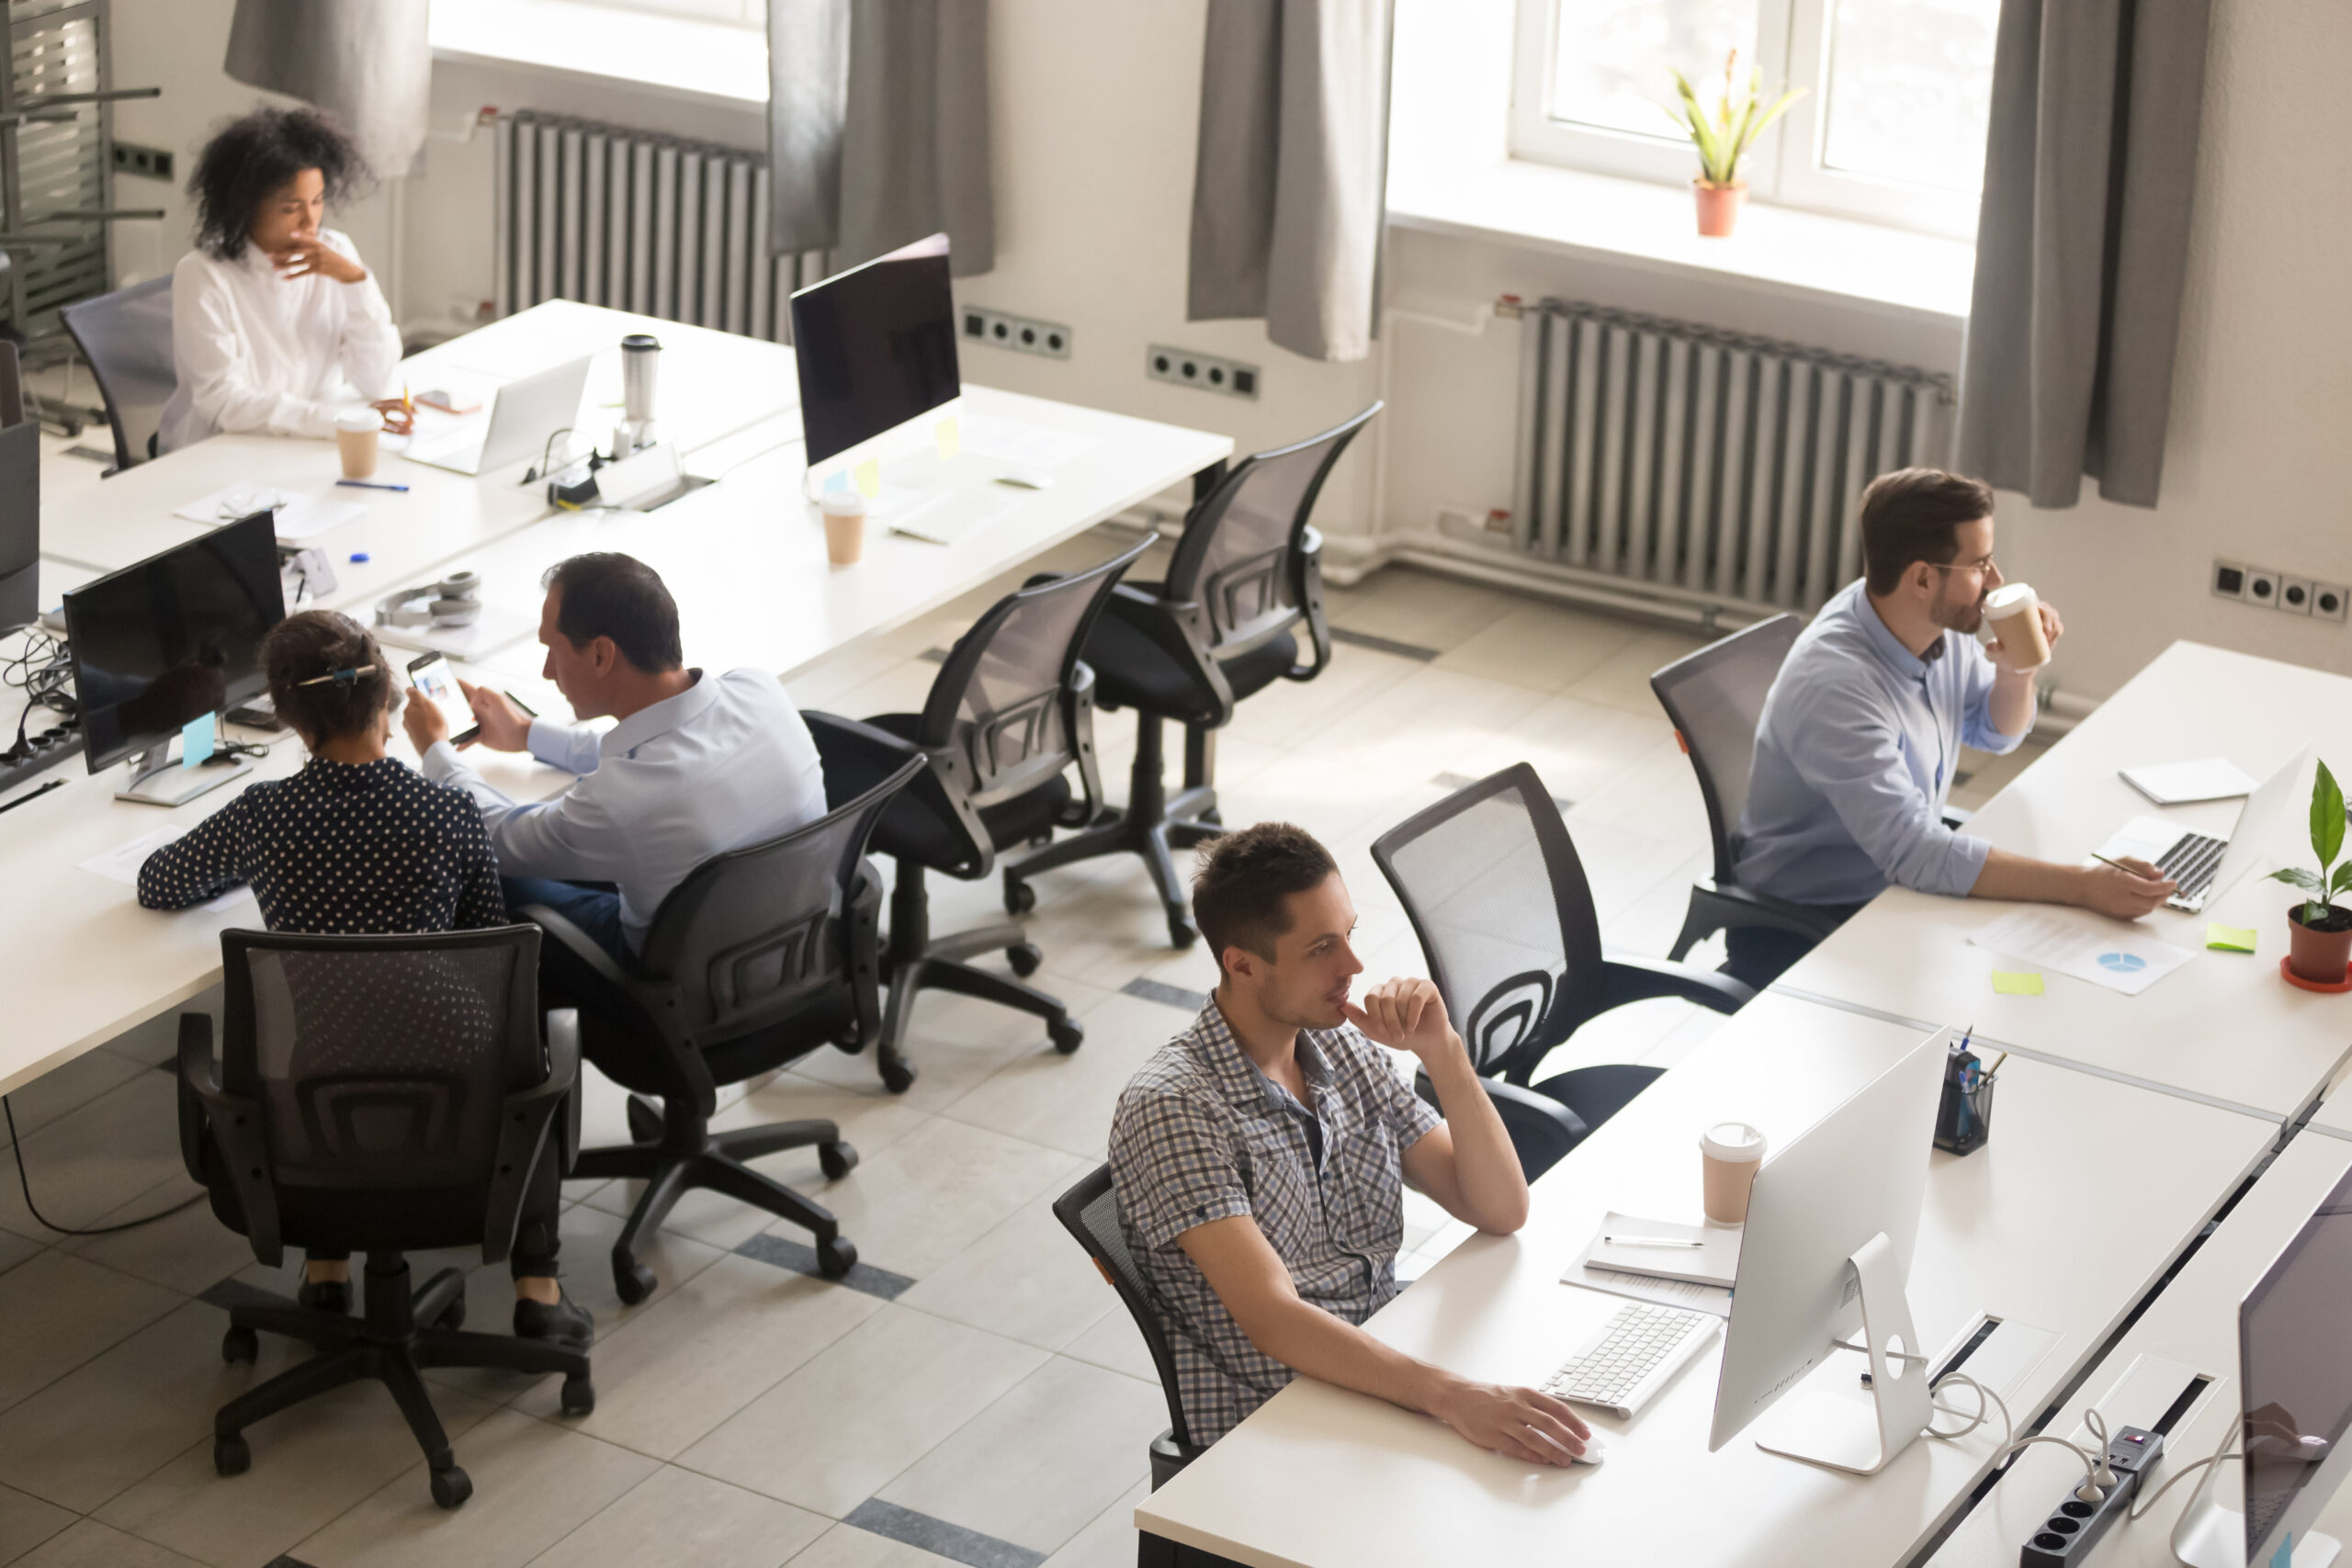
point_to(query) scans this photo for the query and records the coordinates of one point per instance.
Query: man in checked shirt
(1259, 1158)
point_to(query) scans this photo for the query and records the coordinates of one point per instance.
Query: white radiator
(639, 221)
(1702, 466)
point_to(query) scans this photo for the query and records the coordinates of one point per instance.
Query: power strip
(2074, 1527)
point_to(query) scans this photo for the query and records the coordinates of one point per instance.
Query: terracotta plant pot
(1719, 207)
(2320, 953)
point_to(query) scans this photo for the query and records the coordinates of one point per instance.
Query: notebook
(2179, 784)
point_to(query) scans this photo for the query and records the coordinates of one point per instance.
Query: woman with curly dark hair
(275, 320)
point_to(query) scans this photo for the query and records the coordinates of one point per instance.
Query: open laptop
(525, 414)
(2206, 867)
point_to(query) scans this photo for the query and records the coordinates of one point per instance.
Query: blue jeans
(596, 910)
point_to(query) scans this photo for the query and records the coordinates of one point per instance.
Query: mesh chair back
(127, 338)
(1089, 1212)
(752, 934)
(1003, 699)
(1715, 698)
(380, 1063)
(1241, 553)
(1495, 891)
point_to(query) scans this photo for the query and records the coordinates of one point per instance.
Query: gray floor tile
(88, 1544)
(846, 1546)
(15, 1250)
(1028, 1280)
(186, 1252)
(96, 1158)
(1065, 1102)
(1114, 1341)
(62, 1311)
(1110, 1541)
(67, 1088)
(25, 1521)
(1542, 645)
(675, 1516)
(940, 1537)
(1421, 606)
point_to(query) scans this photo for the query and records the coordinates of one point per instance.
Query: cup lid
(1733, 1141)
(2009, 597)
(844, 504)
(358, 419)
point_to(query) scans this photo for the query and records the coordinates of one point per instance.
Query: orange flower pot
(1719, 207)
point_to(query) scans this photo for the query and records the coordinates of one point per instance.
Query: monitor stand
(2208, 1534)
(157, 778)
(1826, 1430)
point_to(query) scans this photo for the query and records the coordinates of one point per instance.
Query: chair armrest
(856, 748)
(235, 1123)
(1541, 1128)
(582, 946)
(523, 1124)
(1761, 911)
(1630, 979)
(1078, 716)
(1179, 628)
(1309, 591)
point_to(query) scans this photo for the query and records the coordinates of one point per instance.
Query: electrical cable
(24, 1183)
(2190, 1469)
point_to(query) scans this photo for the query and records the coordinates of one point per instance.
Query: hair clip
(340, 677)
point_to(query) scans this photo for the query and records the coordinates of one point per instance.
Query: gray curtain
(365, 62)
(1289, 189)
(879, 128)
(2082, 246)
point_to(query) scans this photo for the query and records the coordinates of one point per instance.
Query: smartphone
(446, 402)
(429, 673)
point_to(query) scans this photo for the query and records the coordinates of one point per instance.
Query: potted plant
(2319, 933)
(1722, 138)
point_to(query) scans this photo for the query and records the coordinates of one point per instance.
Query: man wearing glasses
(1863, 725)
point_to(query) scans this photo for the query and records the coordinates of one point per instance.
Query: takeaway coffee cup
(2014, 612)
(1729, 1153)
(844, 526)
(355, 431)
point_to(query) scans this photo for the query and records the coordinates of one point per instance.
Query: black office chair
(1247, 572)
(126, 336)
(761, 955)
(383, 1094)
(1011, 712)
(1491, 882)
(1715, 698)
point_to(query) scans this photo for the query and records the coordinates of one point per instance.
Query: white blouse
(260, 353)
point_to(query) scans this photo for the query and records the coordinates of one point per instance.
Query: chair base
(388, 1345)
(675, 1152)
(917, 962)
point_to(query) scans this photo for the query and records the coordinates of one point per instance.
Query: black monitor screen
(2294, 1332)
(19, 525)
(875, 346)
(159, 644)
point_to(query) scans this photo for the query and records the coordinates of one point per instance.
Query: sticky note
(869, 478)
(195, 742)
(951, 438)
(2016, 985)
(837, 480)
(2229, 939)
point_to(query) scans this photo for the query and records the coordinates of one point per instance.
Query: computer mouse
(1596, 1450)
(1026, 479)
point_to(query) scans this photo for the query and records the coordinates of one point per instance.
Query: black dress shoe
(567, 1323)
(323, 1295)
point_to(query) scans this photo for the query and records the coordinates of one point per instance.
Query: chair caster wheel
(1019, 898)
(1068, 1035)
(1024, 959)
(578, 1397)
(1181, 932)
(836, 1257)
(632, 1281)
(240, 1344)
(230, 1456)
(898, 1074)
(451, 1487)
(836, 1160)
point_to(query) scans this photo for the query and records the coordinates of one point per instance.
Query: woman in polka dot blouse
(358, 842)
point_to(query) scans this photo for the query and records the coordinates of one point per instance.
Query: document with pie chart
(2105, 953)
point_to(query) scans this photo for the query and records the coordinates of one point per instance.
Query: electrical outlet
(1019, 333)
(2329, 601)
(2294, 596)
(1206, 371)
(152, 163)
(2229, 580)
(2262, 587)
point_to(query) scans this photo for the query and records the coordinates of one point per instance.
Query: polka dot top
(339, 847)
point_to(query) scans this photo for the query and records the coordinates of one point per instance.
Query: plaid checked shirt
(1201, 1134)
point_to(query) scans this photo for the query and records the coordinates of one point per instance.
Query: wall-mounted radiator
(639, 221)
(1703, 466)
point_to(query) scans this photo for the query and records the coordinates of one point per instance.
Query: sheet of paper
(228, 504)
(2014, 985)
(2229, 939)
(300, 514)
(1009, 441)
(121, 864)
(1711, 1299)
(1715, 1261)
(2085, 947)
(2178, 783)
(305, 517)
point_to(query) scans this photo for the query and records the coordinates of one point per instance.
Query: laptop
(2204, 866)
(525, 415)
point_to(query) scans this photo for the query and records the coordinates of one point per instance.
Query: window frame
(1784, 166)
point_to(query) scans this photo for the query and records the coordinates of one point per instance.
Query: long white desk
(1321, 1476)
(2224, 1027)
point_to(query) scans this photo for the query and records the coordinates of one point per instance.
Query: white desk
(1321, 1476)
(2194, 1323)
(2223, 1027)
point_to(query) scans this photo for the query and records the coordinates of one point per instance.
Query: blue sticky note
(837, 482)
(195, 742)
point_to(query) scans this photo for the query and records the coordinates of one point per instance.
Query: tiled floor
(982, 1397)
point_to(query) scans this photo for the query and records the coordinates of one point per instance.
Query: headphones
(455, 601)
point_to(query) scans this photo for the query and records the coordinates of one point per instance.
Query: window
(744, 12)
(1890, 128)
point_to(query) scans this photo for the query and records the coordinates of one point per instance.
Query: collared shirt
(264, 354)
(727, 762)
(1202, 1134)
(1854, 759)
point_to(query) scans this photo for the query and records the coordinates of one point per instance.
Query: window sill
(1570, 212)
(675, 56)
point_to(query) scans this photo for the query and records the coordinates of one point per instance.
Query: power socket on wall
(999, 329)
(1206, 371)
(2276, 591)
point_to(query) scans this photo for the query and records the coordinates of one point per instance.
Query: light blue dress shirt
(1854, 759)
(727, 762)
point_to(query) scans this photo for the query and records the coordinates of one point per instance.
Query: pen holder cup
(1964, 1119)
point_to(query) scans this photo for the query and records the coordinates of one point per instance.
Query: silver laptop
(2204, 866)
(525, 414)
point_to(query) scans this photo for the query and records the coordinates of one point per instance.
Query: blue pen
(368, 484)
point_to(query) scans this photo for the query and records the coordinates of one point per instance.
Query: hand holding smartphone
(430, 674)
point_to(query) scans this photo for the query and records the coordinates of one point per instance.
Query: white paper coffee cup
(844, 526)
(2014, 612)
(355, 431)
(1729, 1155)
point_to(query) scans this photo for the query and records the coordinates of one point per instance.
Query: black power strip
(2074, 1527)
(43, 751)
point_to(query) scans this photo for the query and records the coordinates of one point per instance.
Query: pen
(1649, 1241)
(528, 711)
(1996, 1064)
(368, 484)
(53, 784)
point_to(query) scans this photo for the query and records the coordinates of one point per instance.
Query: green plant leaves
(1724, 138)
(2341, 880)
(2327, 819)
(2296, 876)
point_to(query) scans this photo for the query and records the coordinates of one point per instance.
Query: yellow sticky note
(868, 475)
(2229, 939)
(2006, 985)
(951, 438)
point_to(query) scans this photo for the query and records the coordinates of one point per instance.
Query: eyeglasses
(1987, 564)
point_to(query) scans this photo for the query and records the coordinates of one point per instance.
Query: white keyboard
(1631, 1356)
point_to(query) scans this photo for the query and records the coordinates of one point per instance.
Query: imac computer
(175, 638)
(19, 525)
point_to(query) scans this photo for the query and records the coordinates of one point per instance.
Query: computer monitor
(876, 347)
(1831, 1223)
(159, 645)
(19, 525)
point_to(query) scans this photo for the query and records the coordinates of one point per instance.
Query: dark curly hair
(249, 158)
(311, 643)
